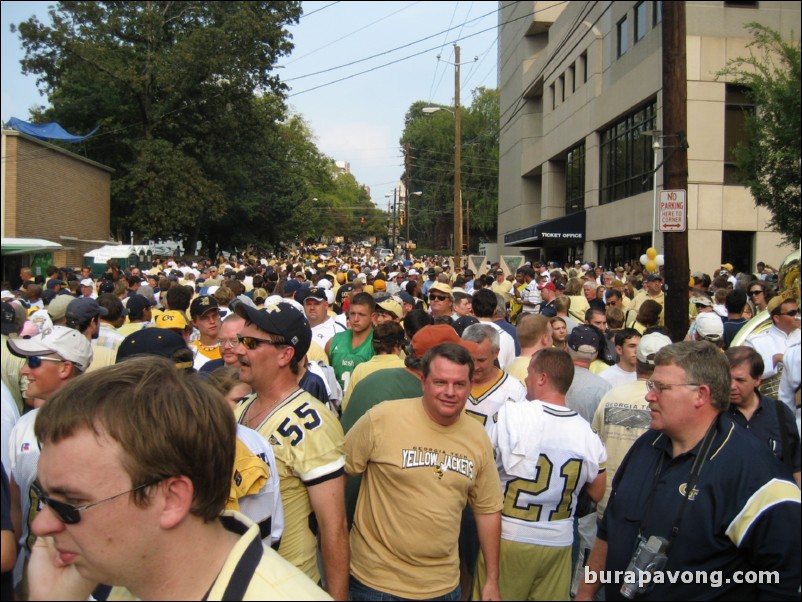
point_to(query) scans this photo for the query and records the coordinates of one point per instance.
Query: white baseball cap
(68, 343)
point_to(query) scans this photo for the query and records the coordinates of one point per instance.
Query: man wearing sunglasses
(441, 301)
(771, 343)
(134, 501)
(52, 359)
(713, 492)
(306, 436)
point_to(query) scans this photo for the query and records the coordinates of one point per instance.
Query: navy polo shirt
(765, 425)
(744, 515)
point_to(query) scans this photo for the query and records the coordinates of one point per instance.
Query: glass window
(623, 36)
(584, 62)
(737, 108)
(657, 13)
(640, 21)
(626, 156)
(562, 87)
(575, 179)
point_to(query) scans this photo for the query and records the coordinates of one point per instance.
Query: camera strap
(696, 470)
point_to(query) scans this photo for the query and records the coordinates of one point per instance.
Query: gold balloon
(651, 253)
(651, 266)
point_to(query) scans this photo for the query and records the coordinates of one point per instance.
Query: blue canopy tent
(46, 131)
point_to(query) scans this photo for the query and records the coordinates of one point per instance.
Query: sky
(361, 118)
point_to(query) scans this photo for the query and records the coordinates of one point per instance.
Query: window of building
(737, 108)
(572, 75)
(640, 21)
(741, 4)
(562, 87)
(553, 94)
(737, 249)
(575, 179)
(583, 62)
(623, 36)
(657, 13)
(626, 156)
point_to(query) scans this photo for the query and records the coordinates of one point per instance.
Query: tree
(431, 137)
(188, 104)
(769, 163)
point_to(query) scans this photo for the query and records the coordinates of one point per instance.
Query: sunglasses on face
(790, 312)
(34, 361)
(757, 292)
(252, 343)
(438, 297)
(69, 514)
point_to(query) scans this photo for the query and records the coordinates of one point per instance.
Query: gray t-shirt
(585, 393)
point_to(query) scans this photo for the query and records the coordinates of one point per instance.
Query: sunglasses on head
(34, 361)
(432, 297)
(252, 343)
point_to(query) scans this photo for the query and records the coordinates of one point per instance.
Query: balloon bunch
(651, 260)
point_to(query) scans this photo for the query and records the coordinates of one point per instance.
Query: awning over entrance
(566, 230)
(23, 246)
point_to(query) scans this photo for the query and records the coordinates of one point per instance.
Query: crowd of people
(314, 427)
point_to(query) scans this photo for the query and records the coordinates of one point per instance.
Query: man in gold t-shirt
(423, 459)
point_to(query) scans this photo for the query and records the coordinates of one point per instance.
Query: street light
(457, 168)
(656, 136)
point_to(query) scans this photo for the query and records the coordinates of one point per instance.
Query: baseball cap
(709, 327)
(549, 285)
(379, 285)
(70, 344)
(649, 346)
(406, 297)
(442, 287)
(653, 277)
(9, 318)
(202, 305)
(152, 341)
(584, 339)
(291, 286)
(430, 336)
(88, 282)
(84, 309)
(701, 300)
(137, 304)
(412, 272)
(282, 319)
(58, 307)
(774, 303)
(727, 266)
(460, 324)
(393, 306)
(172, 319)
(317, 293)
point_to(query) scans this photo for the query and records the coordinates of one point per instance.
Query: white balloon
(660, 260)
(643, 259)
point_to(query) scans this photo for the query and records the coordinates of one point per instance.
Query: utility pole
(675, 118)
(457, 166)
(409, 195)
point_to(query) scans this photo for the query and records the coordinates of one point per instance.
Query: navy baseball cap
(282, 319)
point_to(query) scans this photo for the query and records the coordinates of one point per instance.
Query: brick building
(51, 193)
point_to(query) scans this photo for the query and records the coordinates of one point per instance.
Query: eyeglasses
(790, 312)
(34, 361)
(757, 292)
(438, 297)
(232, 342)
(252, 343)
(654, 386)
(69, 514)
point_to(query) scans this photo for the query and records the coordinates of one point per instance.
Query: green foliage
(431, 137)
(770, 162)
(191, 113)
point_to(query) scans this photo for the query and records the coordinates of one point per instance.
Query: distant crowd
(316, 425)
